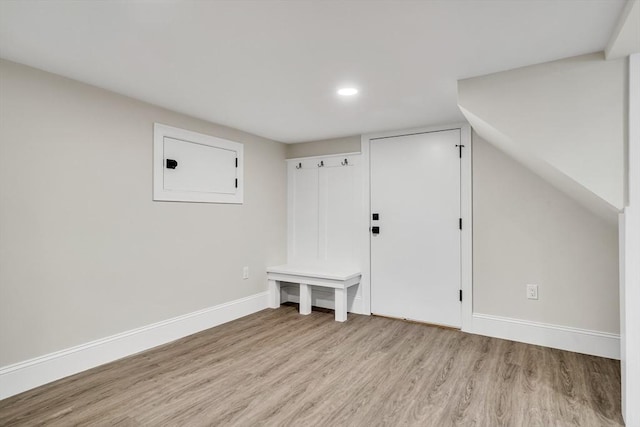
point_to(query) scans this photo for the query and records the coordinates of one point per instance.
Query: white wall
(625, 39)
(526, 231)
(84, 251)
(565, 120)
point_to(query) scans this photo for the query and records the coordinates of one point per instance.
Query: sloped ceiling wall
(625, 39)
(564, 120)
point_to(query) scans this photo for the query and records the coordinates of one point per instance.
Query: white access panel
(200, 168)
(415, 258)
(193, 167)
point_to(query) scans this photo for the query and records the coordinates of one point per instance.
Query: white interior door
(415, 258)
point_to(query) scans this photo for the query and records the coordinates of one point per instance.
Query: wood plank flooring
(276, 367)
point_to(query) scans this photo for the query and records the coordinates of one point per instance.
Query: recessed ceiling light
(347, 91)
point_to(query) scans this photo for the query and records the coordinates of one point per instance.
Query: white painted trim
(413, 131)
(365, 244)
(466, 211)
(629, 256)
(161, 131)
(584, 341)
(622, 270)
(466, 236)
(290, 211)
(352, 153)
(23, 376)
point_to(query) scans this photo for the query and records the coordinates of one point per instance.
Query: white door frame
(466, 255)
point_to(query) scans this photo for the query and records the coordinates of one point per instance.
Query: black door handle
(375, 230)
(171, 164)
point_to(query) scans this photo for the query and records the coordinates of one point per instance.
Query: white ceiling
(272, 67)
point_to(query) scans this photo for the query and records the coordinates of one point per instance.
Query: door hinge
(460, 295)
(236, 182)
(460, 223)
(460, 149)
(236, 162)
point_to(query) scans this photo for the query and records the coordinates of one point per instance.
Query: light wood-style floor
(279, 368)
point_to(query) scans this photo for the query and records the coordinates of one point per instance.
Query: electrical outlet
(245, 272)
(532, 291)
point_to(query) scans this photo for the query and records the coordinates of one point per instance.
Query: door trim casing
(466, 210)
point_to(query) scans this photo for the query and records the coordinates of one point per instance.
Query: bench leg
(341, 305)
(274, 293)
(305, 299)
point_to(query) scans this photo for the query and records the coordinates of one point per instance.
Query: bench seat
(337, 277)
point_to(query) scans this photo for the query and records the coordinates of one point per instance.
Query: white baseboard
(324, 298)
(32, 373)
(584, 341)
(41, 370)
